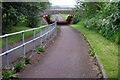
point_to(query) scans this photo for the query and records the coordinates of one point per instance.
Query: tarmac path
(68, 57)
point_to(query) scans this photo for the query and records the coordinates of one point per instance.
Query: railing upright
(7, 57)
(45, 36)
(55, 27)
(33, 40)
(23, 41)
(41, 37)
(49, 32)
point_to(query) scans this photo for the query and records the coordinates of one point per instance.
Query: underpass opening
(69, 20)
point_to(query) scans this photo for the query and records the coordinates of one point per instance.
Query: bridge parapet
(57, 11)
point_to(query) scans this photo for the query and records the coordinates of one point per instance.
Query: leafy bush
(106, 22)
(19, 66)
(33, 21)
(9, 75)
(101, 17)
(27, 60)
(92, 53)
(41, 50)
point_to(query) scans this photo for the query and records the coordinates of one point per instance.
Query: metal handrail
(24, 31)
(53, 30)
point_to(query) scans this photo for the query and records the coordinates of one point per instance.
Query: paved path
(67, 58)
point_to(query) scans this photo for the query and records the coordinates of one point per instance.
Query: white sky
(63, 2)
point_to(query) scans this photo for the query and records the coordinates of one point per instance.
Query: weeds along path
(68, 57)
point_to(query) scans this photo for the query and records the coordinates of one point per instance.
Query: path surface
(67, 58)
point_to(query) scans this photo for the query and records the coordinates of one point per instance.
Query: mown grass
(15, 38)
(64, 16)
(107, 51)
(50, 17)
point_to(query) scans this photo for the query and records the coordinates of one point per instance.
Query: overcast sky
(63, 2)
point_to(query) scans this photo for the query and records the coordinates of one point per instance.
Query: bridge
(57, 11)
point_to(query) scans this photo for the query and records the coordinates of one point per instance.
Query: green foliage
(32, 21)
(105, 22)
(27, 60)
(100, 74)
(41, 50)
(9, 75)
(19, 66)
(64, 16)
(92, 53)
(14, 13)
(102, 17)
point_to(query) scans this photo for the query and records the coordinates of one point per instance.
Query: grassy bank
(64, 16)
(50, 17)
(107, 51)
(15, 38)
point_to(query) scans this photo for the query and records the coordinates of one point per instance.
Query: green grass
(15, 38)
(64, 16)
(107, 51)
(50, 17)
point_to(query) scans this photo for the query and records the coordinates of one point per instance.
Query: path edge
(97, 58)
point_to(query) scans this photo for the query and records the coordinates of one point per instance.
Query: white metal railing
(48, 31)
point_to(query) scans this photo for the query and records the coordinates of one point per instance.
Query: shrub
(9, 74)
(100, 74)
(105, 19)
(41, 50)
(27, 60)
(92, 53)
(19, 66)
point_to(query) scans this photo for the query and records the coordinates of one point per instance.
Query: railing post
(23, 41)
(41, 37)
(55, 27)
(49, 32)
(52, 30)
(7, 57)
(33, 40)
(45, 35)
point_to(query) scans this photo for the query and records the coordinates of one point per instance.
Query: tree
(15, 12)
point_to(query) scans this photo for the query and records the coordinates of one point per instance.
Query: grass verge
(15, 38)
(64, 16)
(50, 17)
(107, 51)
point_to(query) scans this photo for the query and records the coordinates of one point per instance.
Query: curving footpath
(68, 57)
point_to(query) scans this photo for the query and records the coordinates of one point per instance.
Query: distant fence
(46, 33)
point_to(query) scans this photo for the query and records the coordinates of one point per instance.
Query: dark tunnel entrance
(68, 20)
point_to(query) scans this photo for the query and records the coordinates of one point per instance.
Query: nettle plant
(8, 74)
(40, 50)
(27, 60)
(19, 66)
